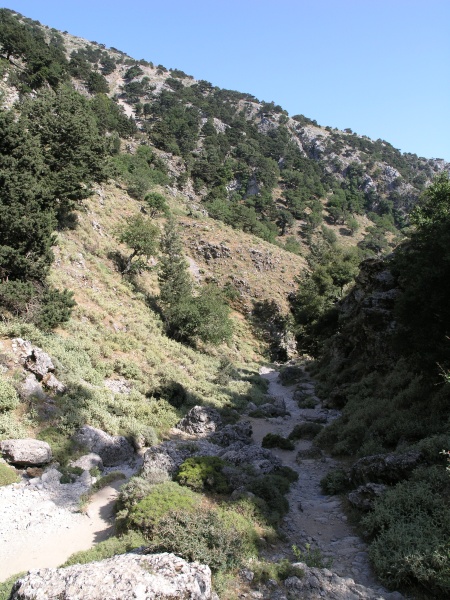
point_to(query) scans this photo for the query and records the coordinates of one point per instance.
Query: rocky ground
(314, 518)
(41, 525)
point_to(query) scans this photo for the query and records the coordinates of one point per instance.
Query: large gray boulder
(262, 460)
(385, 468)
(200, 421)
(26, 452)
(143, 577)
(113, 449)
(241, 432)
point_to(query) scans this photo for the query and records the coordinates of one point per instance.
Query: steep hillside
(162, 239)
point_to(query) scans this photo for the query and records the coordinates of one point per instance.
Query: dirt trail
(313, 517)
(38, 547)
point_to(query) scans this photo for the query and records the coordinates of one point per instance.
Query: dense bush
(162, 499)
(410, 527)
(220, 538)
(335, 482)
(305, 431)
(204, 473)
(272, 440)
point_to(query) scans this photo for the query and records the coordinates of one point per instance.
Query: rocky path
(41, 526)
(314, 518)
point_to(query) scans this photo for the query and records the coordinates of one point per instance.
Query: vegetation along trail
(314, 521)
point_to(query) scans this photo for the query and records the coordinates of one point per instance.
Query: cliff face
(366, 321)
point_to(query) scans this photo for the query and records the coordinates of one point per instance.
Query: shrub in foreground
(220, 538)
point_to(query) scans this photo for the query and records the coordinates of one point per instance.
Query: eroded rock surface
(385, 468)
(200, 421)
(322, 583)
(143, 577)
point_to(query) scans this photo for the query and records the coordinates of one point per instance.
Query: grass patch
(5, 586)
(8, 475)
(108, 548)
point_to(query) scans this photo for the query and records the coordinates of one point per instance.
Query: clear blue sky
(380, 67)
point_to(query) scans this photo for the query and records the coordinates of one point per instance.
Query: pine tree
(174, 281)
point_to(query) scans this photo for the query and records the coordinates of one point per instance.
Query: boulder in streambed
(140, 576)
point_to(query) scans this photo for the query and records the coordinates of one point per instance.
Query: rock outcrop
(384, 468)
(113, 450)
(200, 421)
(363, 498)
(317, 584)
(26, 452)
(143, 577)
(168, 456)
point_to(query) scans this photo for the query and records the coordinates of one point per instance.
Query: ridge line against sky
(381, 68)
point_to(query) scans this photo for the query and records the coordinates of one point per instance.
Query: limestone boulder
(322, 583)
(262, 460)
(139, 576)
(200, 421)
(384, 468)
(26, 452)
(113, 450)
(241, 432)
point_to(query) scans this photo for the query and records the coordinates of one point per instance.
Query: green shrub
(9, 400)
(107, 549)
(163, 499)
(271, 488)
(305, 431)
(273, 440)
(264, 570)
(5, 586)
(410, 527)
(69, 474)
(204, 473)
(10, 428)
(63, 447)
(308, 402)
(220, 538)
(142, 435)
(335, 482)
(7, 475)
